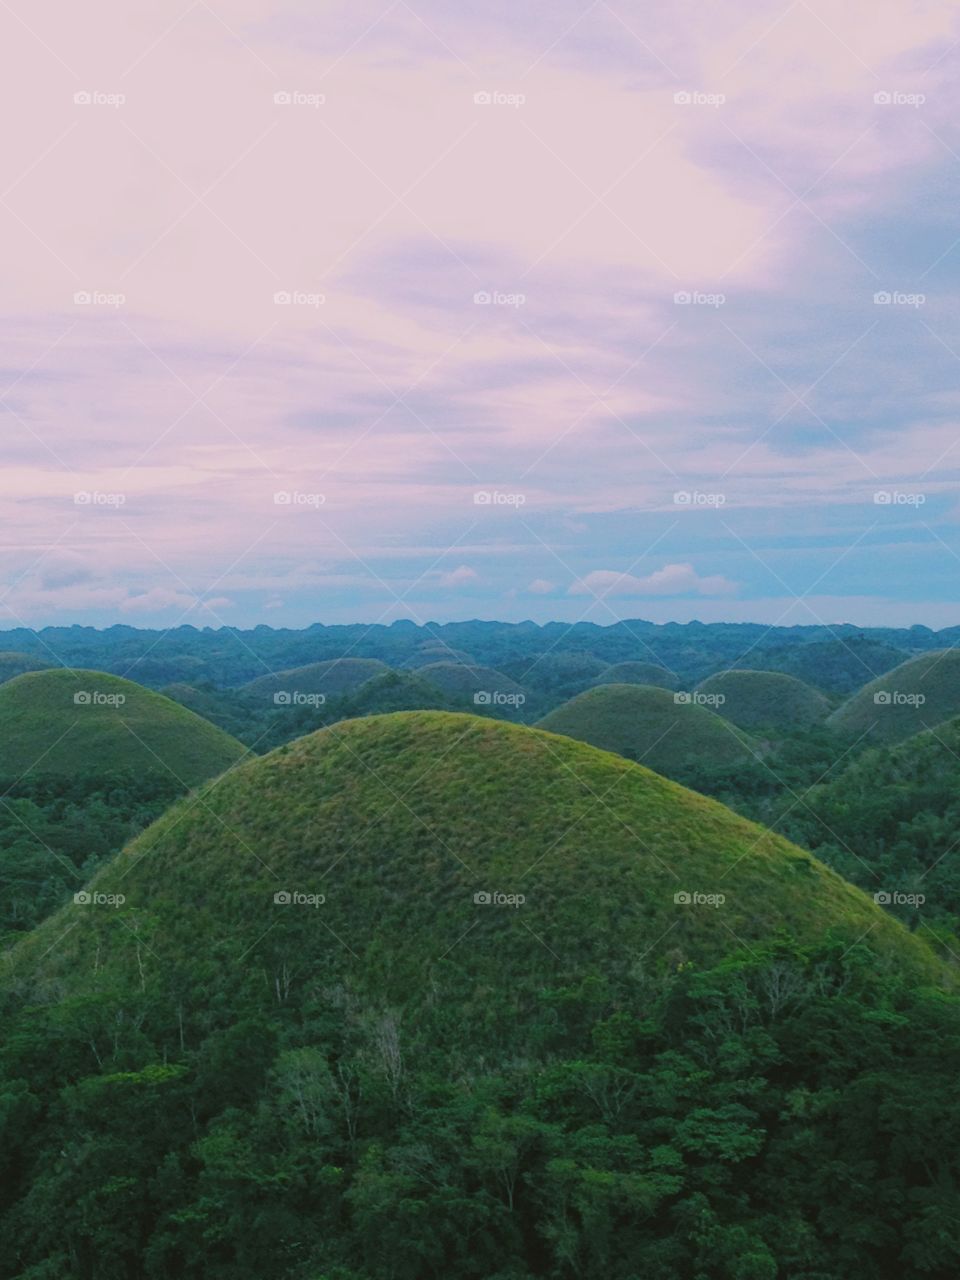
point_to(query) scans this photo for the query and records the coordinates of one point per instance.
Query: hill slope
(14, 664)
(649, 726)
(359, 813)
(917, 695)
(85, 722)
(638, 673)
(458, 681)
(333, 677)
(494, 1044)
(765, 700)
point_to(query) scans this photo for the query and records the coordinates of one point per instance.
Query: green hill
(648, 725)
(468, 684)
(330, 678)
(14, 664)
(765, 700)
(322, 814)
(917, 695)
(638, 673)
(429, 997)
(838, 666)
(77, 723)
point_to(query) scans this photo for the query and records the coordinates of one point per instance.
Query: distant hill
(15, 664)
(88, 722)
(466, 684)
(638, 673)
(917, 695)
(331, 678)
(765, 700)
(838, 666)
(648, 725)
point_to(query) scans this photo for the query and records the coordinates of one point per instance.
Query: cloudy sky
(378, 310)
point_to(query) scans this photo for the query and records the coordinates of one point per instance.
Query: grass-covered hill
(648, 725)
(75, 723)
(15, 664)
(399, 847)
(917, 695)
(436, 997)
(839, 665)
(458, 681)
(638, 673)
(757, 700)
(331, 678)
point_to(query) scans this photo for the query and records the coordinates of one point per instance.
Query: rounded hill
(638, 673)
(13, 663)
(77, 723)
(331, 678)
(765, 700)
(917, 695)
(459, 681)
(350, 856)
(665, 731)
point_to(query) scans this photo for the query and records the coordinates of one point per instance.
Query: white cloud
(671, 580)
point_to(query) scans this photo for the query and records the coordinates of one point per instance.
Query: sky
(323, 312)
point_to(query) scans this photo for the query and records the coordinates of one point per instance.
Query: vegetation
(758, 700)
(650, 726)
(87, 722)
(402, 1083)
(341, 675)
(915, 696)
(15, 664)
(838, 665)
(638, 673)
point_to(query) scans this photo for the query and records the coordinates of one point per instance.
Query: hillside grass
(756, 700)
(889, 709)
(44, 730)
(399, 821)
(647, 725)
